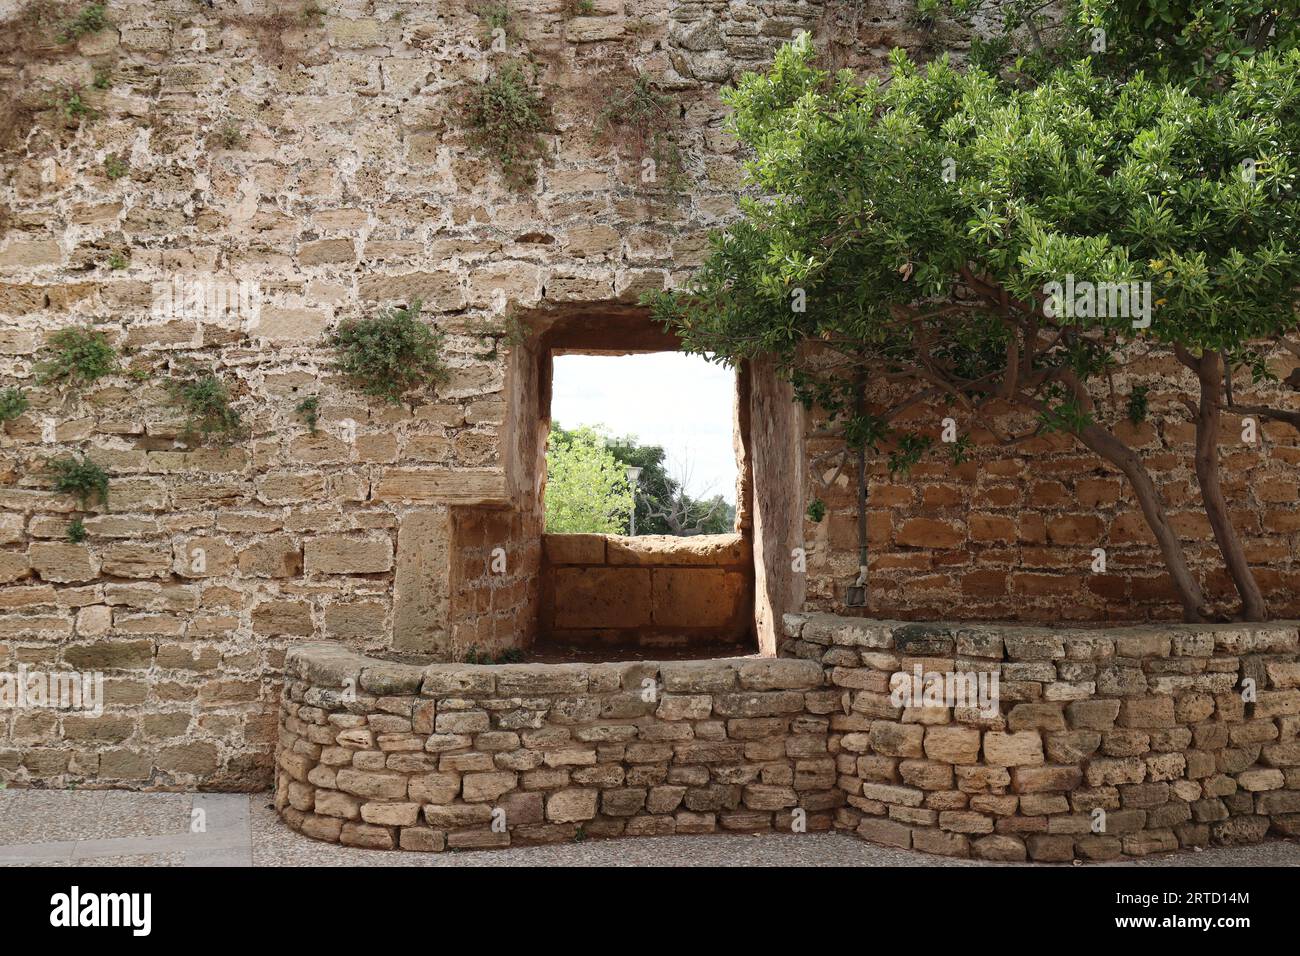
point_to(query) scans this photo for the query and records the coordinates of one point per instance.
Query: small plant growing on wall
(72, 105)
(309, 410)
(498, 25)
(12, 403)
(81, 478)
(205, 399)
(639, 119)
(391, 354)
(76, 531)
(90, 18)
(505, 119)
(228, 135)
(115, 167)
(80, 357)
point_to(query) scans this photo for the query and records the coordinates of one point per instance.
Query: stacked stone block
(457, 756)
(1183, 736)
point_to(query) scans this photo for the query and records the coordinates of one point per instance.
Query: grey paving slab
(47, 828)
(225, 817)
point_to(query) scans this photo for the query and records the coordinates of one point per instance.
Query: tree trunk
(1209, 372)
(1126, 460)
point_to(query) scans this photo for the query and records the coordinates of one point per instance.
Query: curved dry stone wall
(456, 756)
(1101, 743)
(1095, 744)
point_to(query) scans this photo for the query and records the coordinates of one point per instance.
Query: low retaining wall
(1098, 743)
(384, 755)
(1103, 743)
(649, 590)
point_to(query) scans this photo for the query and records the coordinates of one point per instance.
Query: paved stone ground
(119, 828)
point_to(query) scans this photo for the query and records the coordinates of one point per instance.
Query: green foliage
(103, 78)
(579, 8)
(389, 355)
(494, 16)
(505, 118)
(1199, 42)
(587, 490)
(816, 510)
(640, 120)
(12, 403)
(81, 478)
(69, 101)
(1137, 404)
(662, 505)
(117, 261)
(309, 409)
(76, 531)
(115, 167)
(91, 18)
(81, 356)
(205, 400)
(1106, 180)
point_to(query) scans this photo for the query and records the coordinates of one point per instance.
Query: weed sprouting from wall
(505, 118)
(12, 403)
(640, 120)
(228, 135)
(115, 167)
(309, 411)
(41, 32)
(80, 357)
(81, 478)
(391, 354)
(90, 18)
(206, 401)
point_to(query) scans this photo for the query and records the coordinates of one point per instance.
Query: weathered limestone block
(571, 806)
(1013, 749)
(344, 554)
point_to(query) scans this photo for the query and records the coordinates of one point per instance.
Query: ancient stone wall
(647, 591)
(312, 157)
(1099, 743)
(463, 756)
(1071, 744)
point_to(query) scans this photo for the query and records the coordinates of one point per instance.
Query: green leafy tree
(662, 505)
(587, 490)
(909, 234)
(1200, 42)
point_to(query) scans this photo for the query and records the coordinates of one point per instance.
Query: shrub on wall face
(81, 478)
(505, 119)
(205, 399)
(79, 357)
(391, 354)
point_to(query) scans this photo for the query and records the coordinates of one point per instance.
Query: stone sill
(1018, 642)
(648, 550)
(333, 665)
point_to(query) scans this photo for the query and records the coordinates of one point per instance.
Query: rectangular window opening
(646, 553)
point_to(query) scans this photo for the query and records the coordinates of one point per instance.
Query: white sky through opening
(681, 402)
